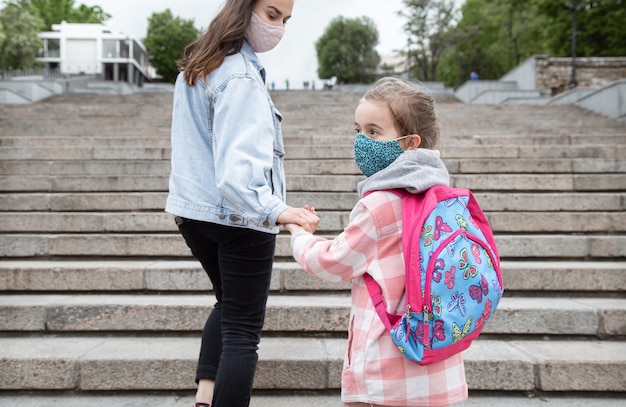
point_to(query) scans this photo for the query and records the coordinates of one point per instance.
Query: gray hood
(415, 170)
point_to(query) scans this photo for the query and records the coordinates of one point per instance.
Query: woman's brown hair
(224, 37)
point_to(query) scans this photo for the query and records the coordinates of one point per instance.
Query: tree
(56, 11)
(430, 32)
(600, 27)
(165, 41)
(495, 36)
(346, 50)
(19, 31)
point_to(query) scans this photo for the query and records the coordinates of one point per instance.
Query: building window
(53, 48)
(124, 51)
(109, 49)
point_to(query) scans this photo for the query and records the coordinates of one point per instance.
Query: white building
(92, 49)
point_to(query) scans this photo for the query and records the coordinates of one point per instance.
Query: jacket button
(267, 222)
(234, 218)
(222, 216)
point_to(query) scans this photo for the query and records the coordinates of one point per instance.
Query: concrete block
(95, 202)
(330, 183)
(612, 314)
(28, 275)
(51, 222)
(324, 200)
(536, 246)
(556, 222)
(296, 279)
(479, 152)
(132, 153)
(25, 202)
(577, 366)
(109, 183)
(587, 276)
(600, 182)
(608, 246)
(118, 245)
(42, 362)
(139, 222)
(549, 201)
(133, 364)
(514, 182)
(25, 183)
(301, 364)
(543, 316)
(495, 365)
(129, 313)
(321, 152)
(177, 275)
(23, 245)
(319, 313)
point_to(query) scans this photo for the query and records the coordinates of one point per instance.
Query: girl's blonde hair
(413, 109)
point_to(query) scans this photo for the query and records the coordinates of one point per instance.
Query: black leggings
(239, 263)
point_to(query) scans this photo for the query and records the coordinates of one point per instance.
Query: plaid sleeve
(343, 258)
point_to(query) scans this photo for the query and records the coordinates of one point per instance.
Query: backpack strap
(376, 294)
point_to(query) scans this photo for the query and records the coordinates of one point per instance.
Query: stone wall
(553, 75)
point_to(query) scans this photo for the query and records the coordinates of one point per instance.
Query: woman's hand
(304, 218)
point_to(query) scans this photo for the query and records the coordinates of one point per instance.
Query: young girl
(227, 186)
(397, 131)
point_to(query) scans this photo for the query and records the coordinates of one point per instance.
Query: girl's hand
(292, 228)
(305, 217)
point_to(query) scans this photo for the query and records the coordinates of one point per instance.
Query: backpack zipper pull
(426, 314)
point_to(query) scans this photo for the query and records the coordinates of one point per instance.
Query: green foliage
(56, 11)
(165, 41)
(19, 42)
(497, 35)
(430, 30)
(346, 50)
(601, 27)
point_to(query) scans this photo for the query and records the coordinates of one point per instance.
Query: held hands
(295, 219)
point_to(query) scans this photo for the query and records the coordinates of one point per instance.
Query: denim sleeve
(244, 131)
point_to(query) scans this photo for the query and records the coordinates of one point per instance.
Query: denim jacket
(227, 163)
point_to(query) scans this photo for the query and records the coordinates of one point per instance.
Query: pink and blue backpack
(453, 280)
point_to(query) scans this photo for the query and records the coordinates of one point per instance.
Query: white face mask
(263, 36)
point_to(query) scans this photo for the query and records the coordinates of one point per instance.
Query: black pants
(239, 263)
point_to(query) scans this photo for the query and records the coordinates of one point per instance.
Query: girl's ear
(413, 142)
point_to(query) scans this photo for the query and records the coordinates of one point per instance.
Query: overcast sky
(295, 57)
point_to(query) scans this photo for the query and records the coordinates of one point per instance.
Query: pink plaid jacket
(374, 369)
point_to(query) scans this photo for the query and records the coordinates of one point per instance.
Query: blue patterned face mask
(372, 156)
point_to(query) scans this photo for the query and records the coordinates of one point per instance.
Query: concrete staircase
(102, 305)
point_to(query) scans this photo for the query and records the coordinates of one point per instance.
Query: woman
(227, 186)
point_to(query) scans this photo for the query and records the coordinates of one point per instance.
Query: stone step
(171, 276)
(186, 276)
(82, 141)
(303, 151)
(75, 313)
(294, 134)
(510, 152)
(510, 246)
(313, 167)
(315, 183)
(344, 201)
(331, 222)
(473, 166)
(168, 363)
(323, 398)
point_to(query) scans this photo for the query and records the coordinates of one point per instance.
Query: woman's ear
(413, 142)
